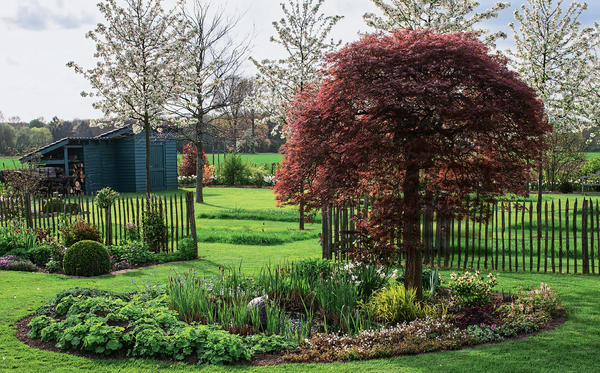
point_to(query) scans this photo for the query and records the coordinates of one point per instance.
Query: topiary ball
(86, 258)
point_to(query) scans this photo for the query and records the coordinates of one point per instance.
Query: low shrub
(78, 230)
(394, 304)
(54, 266)
(57, 205)
(422, 335)
(471, 289)
(234, 171)
(187, 249)
(565, 187)
(483, 333)
(14, 263)
(154, 229)
(535, 306)
(134, 253)
(40, 255)
(477, 315)
(132, 232)
(57, 251)
(86, 258)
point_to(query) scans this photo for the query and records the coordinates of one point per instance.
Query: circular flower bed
(311, 311)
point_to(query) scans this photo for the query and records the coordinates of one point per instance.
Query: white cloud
(31, 15)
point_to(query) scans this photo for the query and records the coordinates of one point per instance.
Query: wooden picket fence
(561, 237)
(176, 210)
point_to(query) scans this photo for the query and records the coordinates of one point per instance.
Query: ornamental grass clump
(471, 289)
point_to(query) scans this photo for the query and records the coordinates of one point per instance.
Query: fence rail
(560, 237)
(177, 212)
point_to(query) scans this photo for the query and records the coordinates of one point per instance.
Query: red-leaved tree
(411, 118)
(188, 166)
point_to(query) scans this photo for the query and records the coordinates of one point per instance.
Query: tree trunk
(412, 230)
(301, 208)
(252, 150)
(199, 171)
(147, 133)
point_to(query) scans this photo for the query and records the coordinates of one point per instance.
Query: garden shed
(116, 159)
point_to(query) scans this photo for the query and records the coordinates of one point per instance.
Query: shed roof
(123, 131)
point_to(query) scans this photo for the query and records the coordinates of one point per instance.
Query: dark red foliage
(477, 315)
(411, 118)
(189, 160)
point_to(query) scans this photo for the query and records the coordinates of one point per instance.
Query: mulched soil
(258, 360)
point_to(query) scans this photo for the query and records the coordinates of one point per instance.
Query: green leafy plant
(394, 304)
(234, 171)
(188, 249)
(154, 229)
(134, 252)
(83, 319)
(40, 255)
(54, 266)
(17, 240)
(86, 258)
(132, 232)
(56, 205)
(471, 289)
(106, 197)
(78, 230)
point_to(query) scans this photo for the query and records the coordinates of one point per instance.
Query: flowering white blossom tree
(209, 58)
(552, 55)
(440, 15)
(304, 32)
(136, 64)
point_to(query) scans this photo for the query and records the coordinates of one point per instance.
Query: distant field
(591, 155)
(257, 158)
(9, 163)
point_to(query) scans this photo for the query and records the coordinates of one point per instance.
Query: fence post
(325, 233)
(28, 217)
(191, 215)
(584, 238)
(108, 226)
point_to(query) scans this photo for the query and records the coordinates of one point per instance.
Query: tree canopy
(407, 118)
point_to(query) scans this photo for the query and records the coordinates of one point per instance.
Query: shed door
(157, 167)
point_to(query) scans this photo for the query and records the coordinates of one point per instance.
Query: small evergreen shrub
(135, 253)
(86, 258)
(106, 197)
(187, 249)
(79, 230)
(40, 255)
(154, 229)
(57, 205)
(234, 171)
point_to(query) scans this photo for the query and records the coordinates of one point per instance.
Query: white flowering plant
(470, 289)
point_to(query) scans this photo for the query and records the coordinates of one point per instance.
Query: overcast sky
(37, 38)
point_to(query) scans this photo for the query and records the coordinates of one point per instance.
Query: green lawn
(9, 163)
(591, 155)
(256, 158)
(572, 347)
